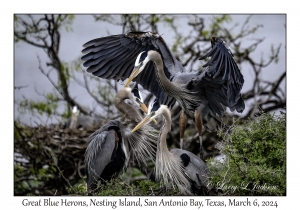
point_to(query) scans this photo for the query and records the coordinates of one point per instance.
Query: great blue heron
(111, 147)
(80, 121)
(202, 95)
(184, 169)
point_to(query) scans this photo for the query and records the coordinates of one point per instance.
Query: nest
(48, 160)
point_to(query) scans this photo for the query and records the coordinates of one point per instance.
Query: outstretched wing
(113, 57)
(222, 81)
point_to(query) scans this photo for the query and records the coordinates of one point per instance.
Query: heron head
(139, 66)
(75, 111)
(138, 99)
(155, 111)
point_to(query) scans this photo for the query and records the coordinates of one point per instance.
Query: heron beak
(145, 121)
(144, 107)
(134, 73)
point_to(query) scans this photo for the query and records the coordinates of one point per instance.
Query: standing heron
(111, 147)
(184, 169)
(202, 95)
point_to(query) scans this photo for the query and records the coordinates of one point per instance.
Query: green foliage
(117, 187)
(66, 21)
(65, 74)
(40, 107)
(66, 114)
(177, 44)
(39, 176)
(155, 19)
(255, 162)
(76, 65)
(78, 188)
(273, 53)
(133, 183)
(169, 19)
(216, 26)
(132, 173)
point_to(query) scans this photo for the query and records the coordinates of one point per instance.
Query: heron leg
(198, 122)
(183, 118)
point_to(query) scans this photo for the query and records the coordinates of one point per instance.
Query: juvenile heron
(111, 147)
(202, 95)
(184, 169)
(80, 121)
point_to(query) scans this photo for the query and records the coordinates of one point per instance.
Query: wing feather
(113, 57)
(97, 140)
(222, 70)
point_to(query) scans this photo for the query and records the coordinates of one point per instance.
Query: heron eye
(152, 114)
(138, 100)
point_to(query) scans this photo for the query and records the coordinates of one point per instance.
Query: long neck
(163, 81)
(168, 165)
(184, 97)
(164, 132)
(141, 143)
(74, 120)
(129, 111)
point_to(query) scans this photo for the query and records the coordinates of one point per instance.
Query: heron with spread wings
(110, 147)
(203, 96)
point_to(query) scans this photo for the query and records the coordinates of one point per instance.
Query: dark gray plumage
(203, 96)
(111, 147)
(196, 169)
(217, 87)
(106, 155)
(113, 57)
